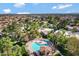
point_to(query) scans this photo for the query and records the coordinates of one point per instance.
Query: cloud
(62, 6)
(7, 10)
(23, 13)
(54, 7)
(19, 5)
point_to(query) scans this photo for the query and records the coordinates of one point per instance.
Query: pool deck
(29, 45)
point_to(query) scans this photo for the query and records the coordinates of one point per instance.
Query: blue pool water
(36, 46)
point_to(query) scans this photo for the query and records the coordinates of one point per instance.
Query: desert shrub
(73, 46)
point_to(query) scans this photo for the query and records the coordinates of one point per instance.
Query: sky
(38, 8)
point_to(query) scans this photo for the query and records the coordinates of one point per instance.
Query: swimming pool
(36, 46)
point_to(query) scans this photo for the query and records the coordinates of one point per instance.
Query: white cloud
(7, 10)
(19, 5)
(62, 6)
(54, 7)
(23, 13)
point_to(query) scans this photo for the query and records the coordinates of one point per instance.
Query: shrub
(73, 46)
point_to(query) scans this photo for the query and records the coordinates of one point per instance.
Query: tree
(59, 41)
(6, 46)
(62, 24)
